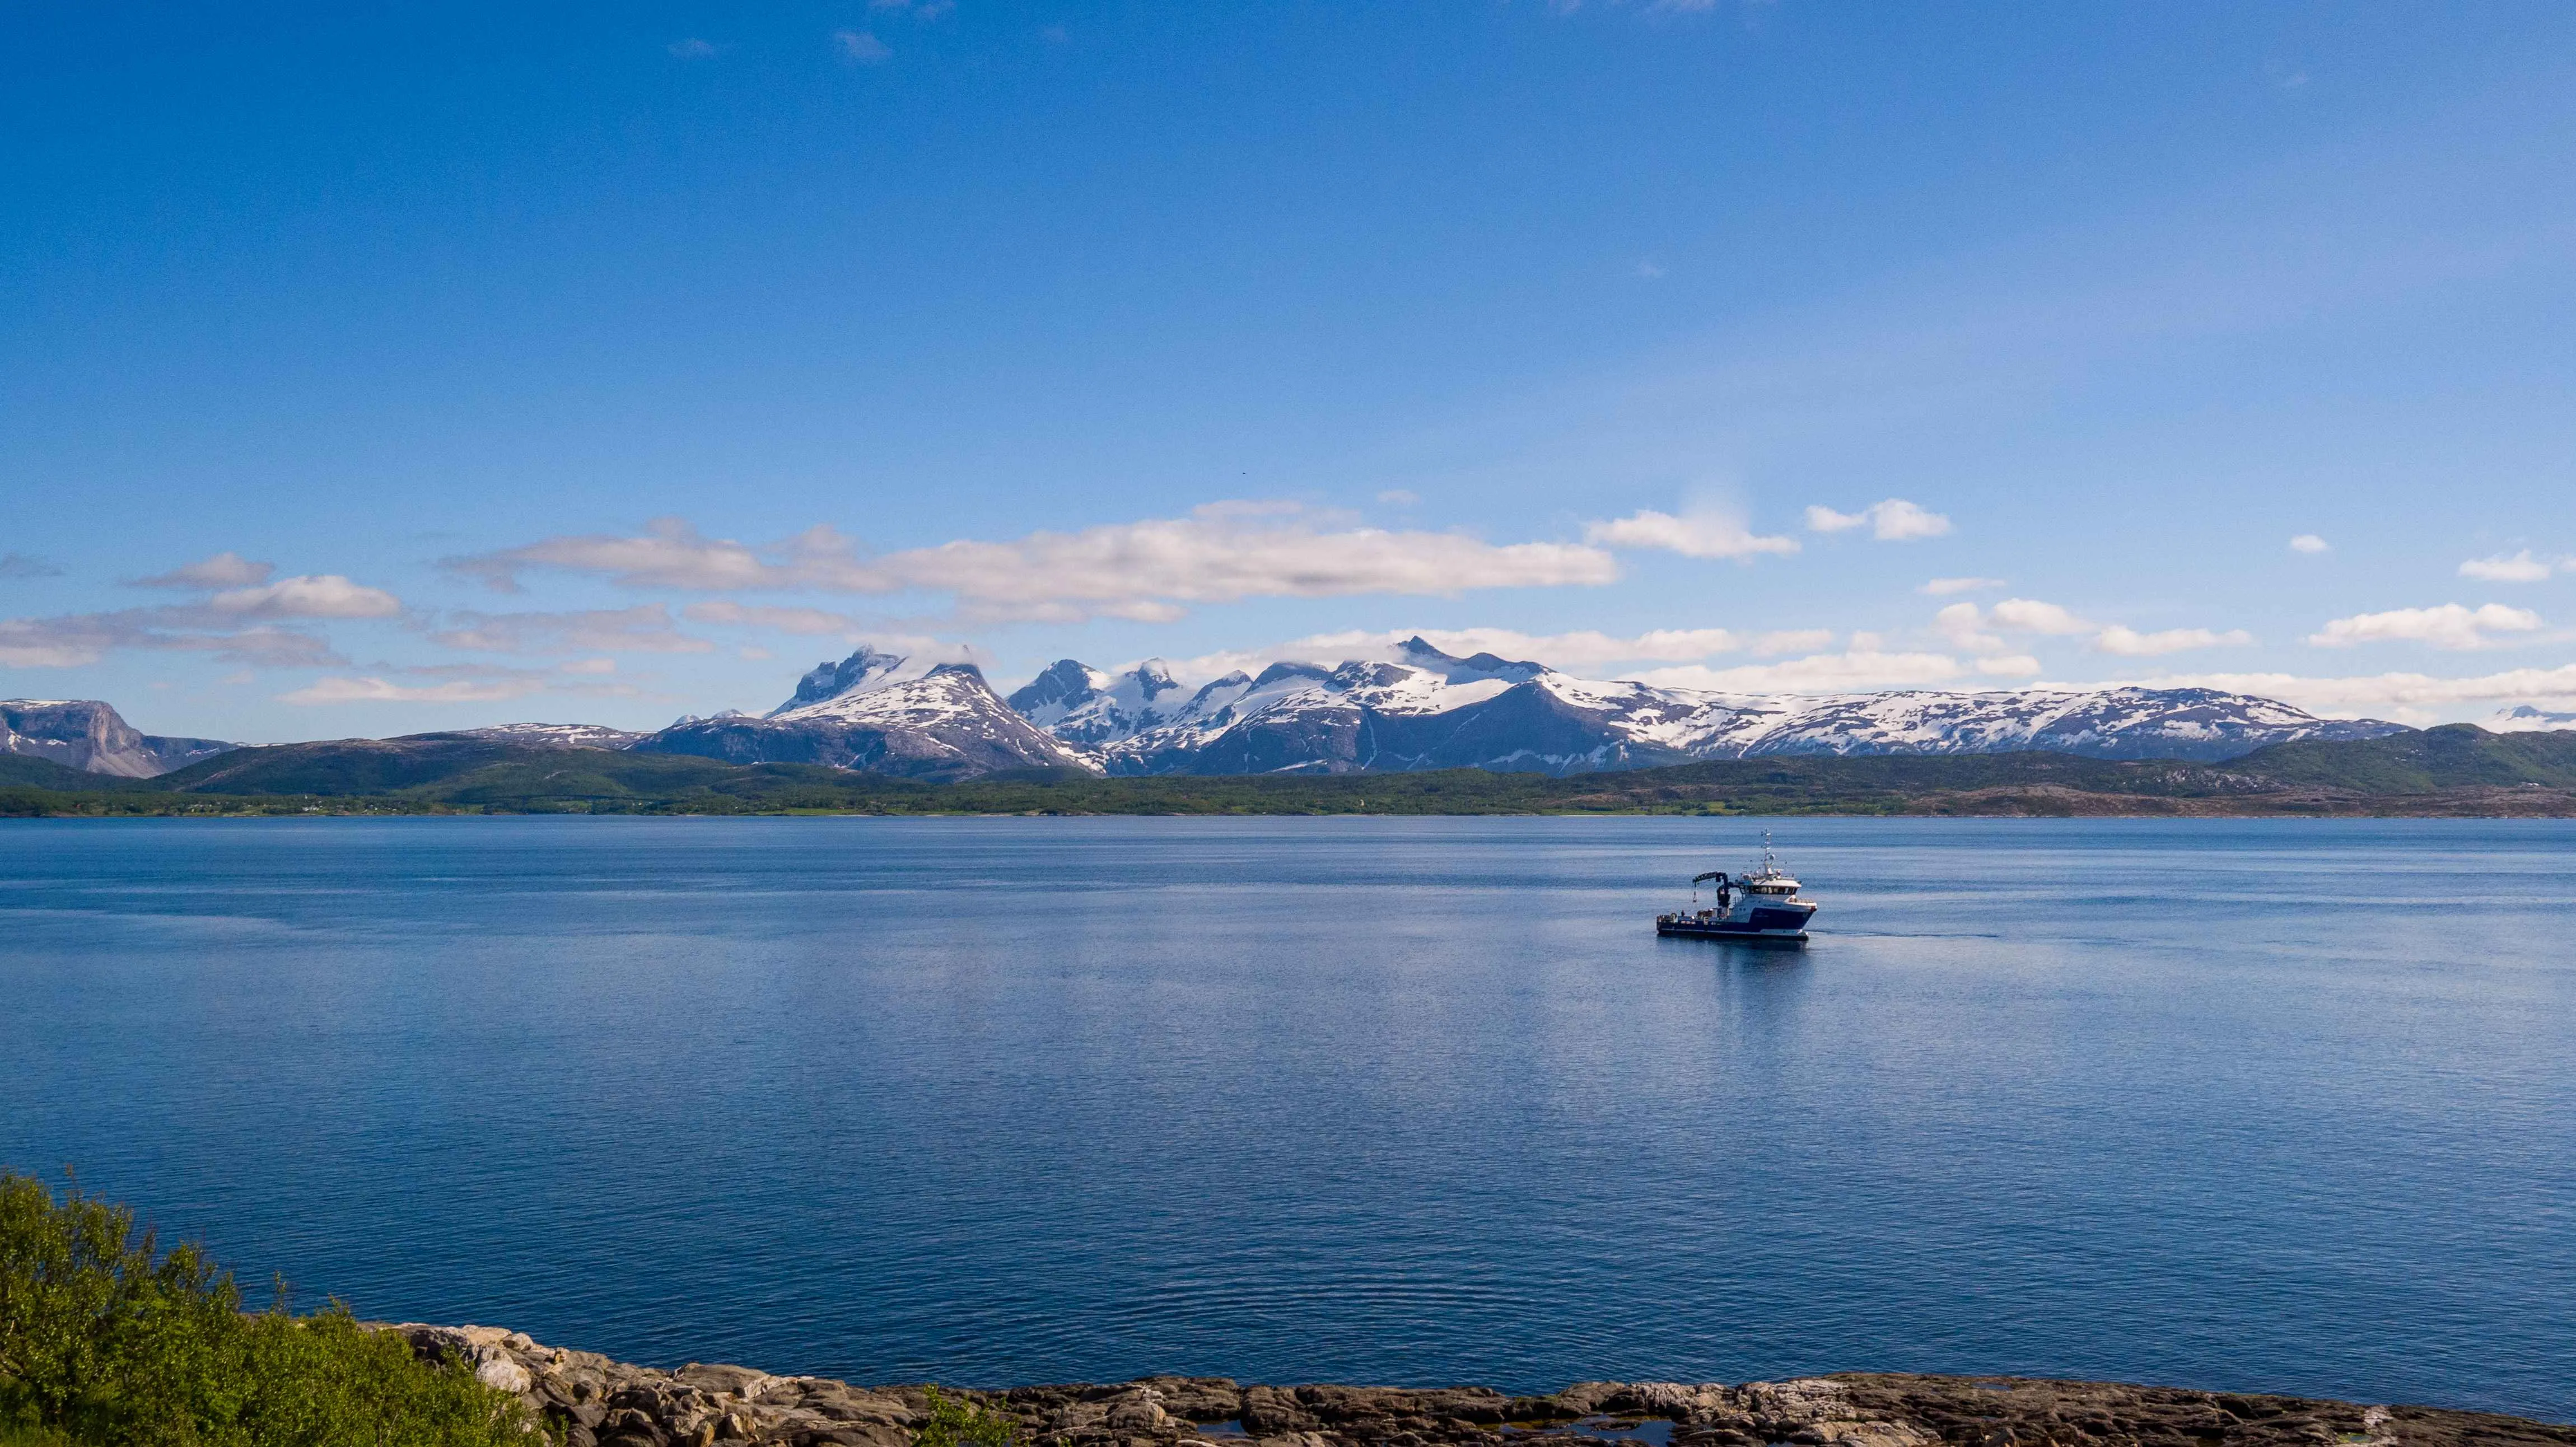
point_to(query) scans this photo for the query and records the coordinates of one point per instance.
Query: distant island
(876, 733)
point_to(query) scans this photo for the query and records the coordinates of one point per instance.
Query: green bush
(105, 1342)
(956, 1422)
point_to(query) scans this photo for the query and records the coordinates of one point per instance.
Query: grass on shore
(105, 1341)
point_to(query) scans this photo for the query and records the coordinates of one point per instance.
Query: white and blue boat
(1762, 905)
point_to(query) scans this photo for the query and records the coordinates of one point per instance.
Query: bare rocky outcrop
(90, 736)
(592, 1401)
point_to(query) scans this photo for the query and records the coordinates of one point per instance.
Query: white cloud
(1818, 673)
(2448, 626)
(1142, 571)
(327, 595)
(2522, 567)
(862, 47)
(2029, 615)
(2130, 643)
(1949, 587)
(646, 628)
(223, 570)
(1964, 624)
(2310, 543)
(1399, 497)
(1693, 535)
(670, 554)
(76, 639)
(1582, 649)
(1893, 520)
(2387, 691)
(2015, 665)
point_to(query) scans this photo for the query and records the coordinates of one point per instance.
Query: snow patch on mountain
(1080, 704)
(916, 717)
(85, 734)
(2524, 719)
(553, 735)
(1428, 709)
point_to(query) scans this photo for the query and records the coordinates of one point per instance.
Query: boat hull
(1720, 930)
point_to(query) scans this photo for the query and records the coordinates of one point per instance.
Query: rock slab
(593, 1401)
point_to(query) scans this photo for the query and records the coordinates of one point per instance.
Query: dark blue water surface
(2258, 1105)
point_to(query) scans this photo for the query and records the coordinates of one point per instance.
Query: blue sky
(439, 365)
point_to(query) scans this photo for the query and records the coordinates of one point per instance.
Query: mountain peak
(1064, 684)
(865, 668)
(1419, 652)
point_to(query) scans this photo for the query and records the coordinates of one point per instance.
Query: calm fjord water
(2264, 1105)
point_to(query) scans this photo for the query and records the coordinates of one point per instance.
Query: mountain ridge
(1430, 709)
(91, 736)
(880, 713)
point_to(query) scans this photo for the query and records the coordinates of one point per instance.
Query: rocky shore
(596, 1402)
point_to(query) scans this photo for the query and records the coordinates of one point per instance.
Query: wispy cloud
(77, 639)
(237, 621)
(2130, 643)
(326, 595)
(2310, 543)
(379, 690)
(1143, 571)
(463, 683)
(26, 565)
(223, 570)
(1891, 521)
(2451, 625)
(1968, 626)
(692, 48)
(1707, 534)
(1951, 587)
(2029, 615)
(862, 46)
(646, 628)
(1853, 669)
(2412, 697)
(2521, 567)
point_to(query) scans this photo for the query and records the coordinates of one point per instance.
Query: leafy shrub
(956, 1422)
(106, 1342)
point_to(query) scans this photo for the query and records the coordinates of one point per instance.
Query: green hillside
(2449, 757)
(20, 771)
(336, 767)
(2454, 770)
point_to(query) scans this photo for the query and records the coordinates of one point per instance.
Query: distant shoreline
(2464, 804)
(2452, 772)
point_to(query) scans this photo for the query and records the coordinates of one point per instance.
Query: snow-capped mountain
(1085, 706)
(88, 735)
(882, 713)
(2522, 718)
(1429, 710)
(552, 735)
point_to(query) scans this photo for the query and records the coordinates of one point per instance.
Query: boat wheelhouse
(1763, 905)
